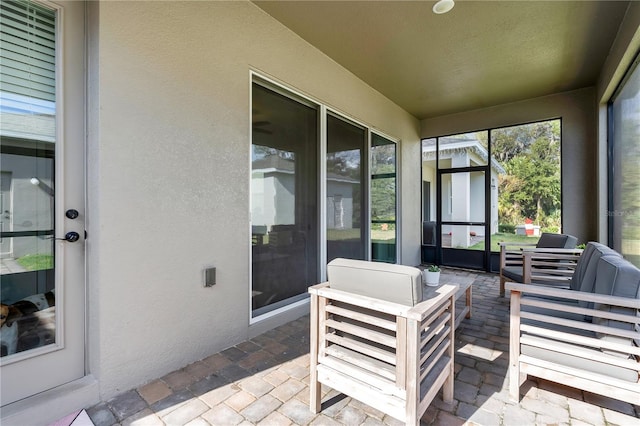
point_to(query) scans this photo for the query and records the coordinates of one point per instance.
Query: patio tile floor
(265, 381)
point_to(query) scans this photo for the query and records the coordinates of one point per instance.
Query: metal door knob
(72, 213)
(71, 237)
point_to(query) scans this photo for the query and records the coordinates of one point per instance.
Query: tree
(531, 186)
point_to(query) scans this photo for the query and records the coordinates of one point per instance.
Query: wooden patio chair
(374, 339)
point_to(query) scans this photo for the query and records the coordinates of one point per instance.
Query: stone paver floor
(265, 381)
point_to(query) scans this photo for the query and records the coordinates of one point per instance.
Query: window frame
(256, 76)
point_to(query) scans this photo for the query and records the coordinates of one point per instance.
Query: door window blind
(27, 70)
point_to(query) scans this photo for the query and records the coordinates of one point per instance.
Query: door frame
(464, 258)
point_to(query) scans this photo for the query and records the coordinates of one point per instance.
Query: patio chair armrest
(555, 251)
(425, 308)
(528, 289)
(552, 266)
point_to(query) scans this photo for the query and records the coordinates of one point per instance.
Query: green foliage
(433, 268)
(506, 228)
(36, 262)
(530, 188)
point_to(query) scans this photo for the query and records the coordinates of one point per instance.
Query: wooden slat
(401, 353)
(413, 372)
(388, 404)
(359, 316)
(322, 319)
(431, 362)
(365, 333)
(315, 397)
(394, 309)
(432, 344)
(434, 329)
(514, 345)
(580, 352)
(433, 382)
(372, 351)
(580, 340)
(579, 325)
(387, 387)
(550, 304)
(426, 323)
(568, 375)
(375, 366)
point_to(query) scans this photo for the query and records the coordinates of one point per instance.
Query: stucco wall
(579, 150)
(169, 174)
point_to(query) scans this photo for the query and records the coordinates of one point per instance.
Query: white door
(42, 153)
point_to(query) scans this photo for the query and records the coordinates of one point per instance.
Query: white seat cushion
(393, 283)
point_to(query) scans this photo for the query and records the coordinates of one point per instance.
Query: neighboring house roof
(27, 118)
(277, 164)
(450, 146)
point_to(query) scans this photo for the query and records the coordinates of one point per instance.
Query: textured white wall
(169, 172)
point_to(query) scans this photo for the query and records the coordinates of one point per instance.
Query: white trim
(59, 187)
(368, 253)
(279, 311)
(322, 202)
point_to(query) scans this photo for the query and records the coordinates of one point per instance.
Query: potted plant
(432, 275)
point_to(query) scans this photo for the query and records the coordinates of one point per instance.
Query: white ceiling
(482, 53)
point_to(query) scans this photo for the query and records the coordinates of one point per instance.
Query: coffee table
(465, 286)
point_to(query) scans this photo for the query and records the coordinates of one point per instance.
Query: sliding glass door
(322, 187)
(624, 175)
(284, 199)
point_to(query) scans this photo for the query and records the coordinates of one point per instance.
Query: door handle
(70, 237)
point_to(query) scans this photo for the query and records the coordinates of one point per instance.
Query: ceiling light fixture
(443, 6)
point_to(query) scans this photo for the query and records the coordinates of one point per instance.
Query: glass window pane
(283, 199)
(27, 148)
(345, 212)
(526, 180)
(625, 215)
(383, 199)
(463, 237)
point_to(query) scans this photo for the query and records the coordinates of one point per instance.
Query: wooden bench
(586, 337)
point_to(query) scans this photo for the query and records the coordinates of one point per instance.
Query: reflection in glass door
(345, 196)
(284, 198)
(383, 200)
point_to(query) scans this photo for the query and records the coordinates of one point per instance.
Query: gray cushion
(513, 273)
(393, 283)
(548, 240)
(583, 278)
(616, 277)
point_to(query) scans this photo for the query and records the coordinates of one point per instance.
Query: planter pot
(432, 279)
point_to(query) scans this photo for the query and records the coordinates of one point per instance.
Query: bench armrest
(532, 290)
